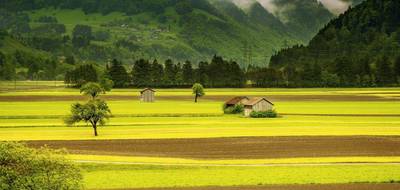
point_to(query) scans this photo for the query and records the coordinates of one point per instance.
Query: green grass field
(200, 127)
(136, 108)
(26, 114)
(125, 176)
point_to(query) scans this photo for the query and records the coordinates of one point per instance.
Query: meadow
(364, 121)
(127, 176)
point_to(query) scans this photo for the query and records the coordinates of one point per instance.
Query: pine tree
(118, 74)
(384, 73)
(141, 73)
(169, 73)
(397, 68)
(157, 73)
(187, 73)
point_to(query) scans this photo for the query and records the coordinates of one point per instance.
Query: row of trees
(342, 72)
(143, 73)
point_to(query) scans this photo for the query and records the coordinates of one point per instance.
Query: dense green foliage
(360, 48)
(198, 91)
(93, 89)
(81, 75)
(236, 109)
(23, 168)
(217, 73)
(95, 112)
(264, 114)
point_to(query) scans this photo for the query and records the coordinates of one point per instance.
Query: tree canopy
(95, 112)
(93, 89)
(198, 91)
(23, 168)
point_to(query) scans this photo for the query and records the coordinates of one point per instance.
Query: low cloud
(244, 4)
(336, 6)
(269, 5)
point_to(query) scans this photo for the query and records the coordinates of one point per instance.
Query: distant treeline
(145, 73)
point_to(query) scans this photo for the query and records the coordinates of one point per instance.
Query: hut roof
(254, 101)
(236, 100)
(146, 89)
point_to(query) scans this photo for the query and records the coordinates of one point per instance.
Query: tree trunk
(195, 98)
(95, 130)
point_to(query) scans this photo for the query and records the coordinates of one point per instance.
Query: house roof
(236, 100)
(146, 89)
(254, 101)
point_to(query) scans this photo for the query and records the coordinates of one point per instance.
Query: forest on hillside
(360, 48)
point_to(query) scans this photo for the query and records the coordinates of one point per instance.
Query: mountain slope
(181, 30)
(359, 47)
(302, 17)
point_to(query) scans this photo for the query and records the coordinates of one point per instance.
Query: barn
(236, 100)
(257, 104)
(147, 95)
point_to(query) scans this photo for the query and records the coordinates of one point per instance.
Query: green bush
(264, 114)
(237, 109)
(23, 168)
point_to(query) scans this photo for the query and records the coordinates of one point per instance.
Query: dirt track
(237, 148)
(39, 98)
(294, 187)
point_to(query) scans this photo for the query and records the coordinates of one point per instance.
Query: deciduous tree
(92, 89)
(198, 91)
(23, 168)
(94, 112)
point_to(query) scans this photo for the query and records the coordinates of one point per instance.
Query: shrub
(23, 168)
(264, 114)
(237, 109)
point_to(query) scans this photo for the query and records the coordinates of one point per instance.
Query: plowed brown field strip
(237, 148)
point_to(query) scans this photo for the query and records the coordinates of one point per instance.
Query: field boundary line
(341, 115)
(196, 115)
(241, 165)
(114, 116)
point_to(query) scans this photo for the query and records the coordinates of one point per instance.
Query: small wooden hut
(147, 95)
(257, 104)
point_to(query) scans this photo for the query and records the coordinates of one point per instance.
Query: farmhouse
(257, 104)
(147, 95)
(236, 100)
